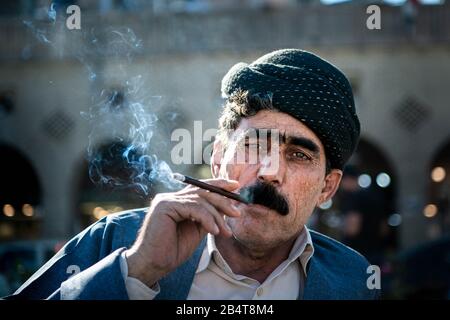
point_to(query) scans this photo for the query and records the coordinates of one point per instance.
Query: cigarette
(206, 186)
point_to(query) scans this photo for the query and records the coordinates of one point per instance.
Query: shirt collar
(303, 250)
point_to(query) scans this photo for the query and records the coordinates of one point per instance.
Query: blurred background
(87, 115)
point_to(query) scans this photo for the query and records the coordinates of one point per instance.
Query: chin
(249, 233)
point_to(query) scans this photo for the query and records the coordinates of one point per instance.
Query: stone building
(51, 75)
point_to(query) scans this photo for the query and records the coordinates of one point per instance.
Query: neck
(257, 264)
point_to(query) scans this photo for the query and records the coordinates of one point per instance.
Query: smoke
(132, 125)
(124, 116)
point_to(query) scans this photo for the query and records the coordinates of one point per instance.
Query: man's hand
(175, 225)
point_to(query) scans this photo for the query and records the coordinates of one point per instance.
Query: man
(194, 244)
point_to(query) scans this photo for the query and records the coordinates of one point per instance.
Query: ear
(331, 184)
(216, 157)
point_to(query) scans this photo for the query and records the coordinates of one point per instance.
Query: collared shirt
(214, 278)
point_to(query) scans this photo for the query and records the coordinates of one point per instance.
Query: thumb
(226, 184)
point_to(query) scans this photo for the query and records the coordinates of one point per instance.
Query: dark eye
(299, 155)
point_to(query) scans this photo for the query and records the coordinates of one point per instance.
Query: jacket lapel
(317, 286)
(176, 285)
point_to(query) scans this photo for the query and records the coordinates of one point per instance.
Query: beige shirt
(214, 278)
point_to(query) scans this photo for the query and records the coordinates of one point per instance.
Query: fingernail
(235, 209)
(216, 229)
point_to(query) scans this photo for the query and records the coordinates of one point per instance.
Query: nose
(272, 170)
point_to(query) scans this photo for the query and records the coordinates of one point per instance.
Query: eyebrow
(293, 140)
(302, 142)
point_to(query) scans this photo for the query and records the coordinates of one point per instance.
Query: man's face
(299, 178)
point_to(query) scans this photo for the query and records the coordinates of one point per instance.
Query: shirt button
(259, 292)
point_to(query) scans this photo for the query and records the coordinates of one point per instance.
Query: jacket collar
(302, 250)
(176, 285)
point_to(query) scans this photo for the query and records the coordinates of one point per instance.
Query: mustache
(266, 195)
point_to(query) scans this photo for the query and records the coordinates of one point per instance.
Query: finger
(226, 184)
(221, 203)
(211, 210)
(187, 209)
(218, 217)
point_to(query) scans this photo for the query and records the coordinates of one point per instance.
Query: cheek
(306, 192)
(228, 168)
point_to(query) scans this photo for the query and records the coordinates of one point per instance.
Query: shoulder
(128, 220)
(124, 226)
(329, 249)
(346, 268)
(110, 233)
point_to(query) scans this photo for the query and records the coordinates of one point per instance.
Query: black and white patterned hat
(308, 88)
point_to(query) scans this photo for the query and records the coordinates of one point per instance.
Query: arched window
(437, 208)
(20, 196)
(362, 213)
(115, 179)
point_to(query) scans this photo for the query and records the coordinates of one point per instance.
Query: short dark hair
(240, 105)
(243, 104)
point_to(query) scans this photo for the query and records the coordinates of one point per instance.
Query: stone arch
(438, 197)
(377, 221)
(94, 198)
(20, 196)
